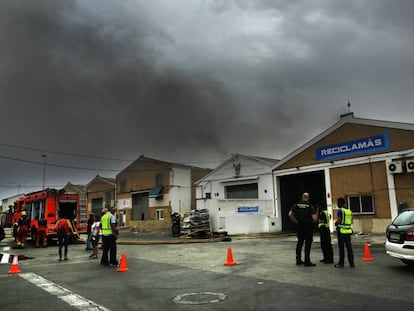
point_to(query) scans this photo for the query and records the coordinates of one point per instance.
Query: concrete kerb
(374, 238)
(157, 242)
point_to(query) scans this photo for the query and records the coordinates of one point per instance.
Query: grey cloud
(193, 81)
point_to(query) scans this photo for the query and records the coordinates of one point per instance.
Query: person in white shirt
(95, 236)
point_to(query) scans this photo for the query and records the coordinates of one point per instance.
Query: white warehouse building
(239, 195)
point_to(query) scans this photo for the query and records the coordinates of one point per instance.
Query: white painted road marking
(62, 293)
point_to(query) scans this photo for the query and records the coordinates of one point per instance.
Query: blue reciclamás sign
(355, 147)
(248, 209)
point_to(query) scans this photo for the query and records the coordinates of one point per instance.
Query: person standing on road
(41, 233)
(95, 235)
(109, 233)
(2, 232)
(88, 231)
(324, 221)
(344, 231)
(15, 230)
(63, 234)
(303, 214)
(22, 228)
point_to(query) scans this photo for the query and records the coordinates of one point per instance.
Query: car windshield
(405, 218)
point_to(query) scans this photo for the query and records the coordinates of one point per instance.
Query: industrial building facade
(368, 162)
(239, 195)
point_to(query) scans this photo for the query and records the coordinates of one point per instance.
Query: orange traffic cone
(15, 266)
(230, 261)
(122, 264)
(367, 253)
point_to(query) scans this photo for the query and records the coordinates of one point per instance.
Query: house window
(97, 205)
(159, 214)
(122, 185)
(208, 195)
(361, 204)
(159, 179)
(246, 191)
(108, 198)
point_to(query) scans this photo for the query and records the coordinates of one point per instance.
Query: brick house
(100, 193)
(150, 190)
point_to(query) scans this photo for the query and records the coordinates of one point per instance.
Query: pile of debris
(196, 224)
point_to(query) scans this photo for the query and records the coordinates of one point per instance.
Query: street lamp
(44, 170)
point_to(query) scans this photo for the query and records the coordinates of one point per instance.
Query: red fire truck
(50, 204)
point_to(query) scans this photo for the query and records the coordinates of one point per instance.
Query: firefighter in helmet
(23, 227)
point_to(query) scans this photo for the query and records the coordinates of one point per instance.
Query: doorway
(291, 189)
(140, 206)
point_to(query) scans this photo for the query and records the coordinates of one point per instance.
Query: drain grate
(199, 298)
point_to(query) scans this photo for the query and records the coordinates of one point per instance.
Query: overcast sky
(189, 80)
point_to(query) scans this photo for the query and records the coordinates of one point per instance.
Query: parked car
(400, 237)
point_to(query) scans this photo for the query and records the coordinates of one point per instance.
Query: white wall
(224, 214)
(9, 201)
(180, 192)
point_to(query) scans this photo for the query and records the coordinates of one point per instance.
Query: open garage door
(140, 206)
(291, 189)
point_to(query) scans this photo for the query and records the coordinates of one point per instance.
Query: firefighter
(41, 233)
(15, 228)
(23, 227)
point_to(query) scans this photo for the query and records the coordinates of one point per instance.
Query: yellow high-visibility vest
(325, 223)
(346, 221)
(106, 224)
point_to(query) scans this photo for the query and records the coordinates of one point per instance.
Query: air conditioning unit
(395, 167)
(410, 166)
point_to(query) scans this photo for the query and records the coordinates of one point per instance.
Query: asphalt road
(193, 277)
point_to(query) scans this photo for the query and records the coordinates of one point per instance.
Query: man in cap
(344, 231)
(109, 236)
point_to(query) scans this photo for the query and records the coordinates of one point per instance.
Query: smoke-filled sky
(189, 81)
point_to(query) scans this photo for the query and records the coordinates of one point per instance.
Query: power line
(28, 186)
(65, 153)
(80, 167)
(88, 155)
(58, 165)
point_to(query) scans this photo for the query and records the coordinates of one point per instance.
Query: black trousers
(305, 235)
(109, 246)
(344, 240)
(326, 243)
(63, 243)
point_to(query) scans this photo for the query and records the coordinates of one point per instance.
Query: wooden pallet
(197, 233)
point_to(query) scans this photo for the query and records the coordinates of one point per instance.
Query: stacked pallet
(196, 224)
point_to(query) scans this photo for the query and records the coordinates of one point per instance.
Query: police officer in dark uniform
(304, 215)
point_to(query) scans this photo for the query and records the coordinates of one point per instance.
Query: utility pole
(44, 170)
